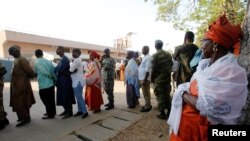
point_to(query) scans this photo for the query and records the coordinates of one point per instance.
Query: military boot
(162, 115)
(110, 106)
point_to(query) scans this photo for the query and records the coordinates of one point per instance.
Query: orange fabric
(237, 49)
(193, 126)
(91, 70)
(122, 69)
(93, 97)
(224, 33)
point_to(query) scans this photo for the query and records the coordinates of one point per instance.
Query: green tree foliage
(197, 15)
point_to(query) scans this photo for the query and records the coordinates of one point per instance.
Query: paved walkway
(96, 127)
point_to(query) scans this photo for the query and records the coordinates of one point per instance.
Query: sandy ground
(149, 128)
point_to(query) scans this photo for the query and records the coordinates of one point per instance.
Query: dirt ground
(149, 128)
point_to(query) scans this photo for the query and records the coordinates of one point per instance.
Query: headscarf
(93, 53)
(224, 33)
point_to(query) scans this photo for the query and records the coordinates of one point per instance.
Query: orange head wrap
(93, 53)
(224, 33)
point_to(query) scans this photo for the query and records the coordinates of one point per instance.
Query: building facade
(30, 42)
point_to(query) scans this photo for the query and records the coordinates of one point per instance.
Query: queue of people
(66, 81)
(212, 87)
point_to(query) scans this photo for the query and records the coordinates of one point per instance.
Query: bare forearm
(190, 100)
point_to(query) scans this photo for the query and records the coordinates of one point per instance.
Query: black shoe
(22, 123)
(45, 114)
(162, 115)
(2, 126)
(6, 121)
(63, 113)
(78, 114)
(48, 117)
(67, 116)
(97, 111)
(85, 115)
(131, 107)
(146, 110)
(111, 106)
(106, 105)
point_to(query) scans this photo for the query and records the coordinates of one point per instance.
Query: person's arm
(190, 100)
(153, 68)
(73, 66)
(24, 64)
(52, 74)
(176, 53)
(148, 69)
(63, 65)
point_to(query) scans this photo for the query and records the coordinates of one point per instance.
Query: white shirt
(144, 67)
(77, 76)
(175, 65)
(117, 66)
(85, 65)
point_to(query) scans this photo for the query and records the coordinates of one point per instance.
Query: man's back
(108, 67)
(161, 67)
(45, 73)
(177, 52)
(185, 56)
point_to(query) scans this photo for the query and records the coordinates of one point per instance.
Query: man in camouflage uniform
(184, 54)
(161, 78)
(3, 120)
(108, 72)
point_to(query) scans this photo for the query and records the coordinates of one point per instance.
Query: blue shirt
(45, 73)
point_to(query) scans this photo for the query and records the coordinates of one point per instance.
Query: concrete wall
(2, 39)
(28, 49)
(29, 43)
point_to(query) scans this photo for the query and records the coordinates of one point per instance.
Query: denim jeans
(79, 98)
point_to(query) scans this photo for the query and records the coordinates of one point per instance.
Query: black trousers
(68, 108)
(48, 98)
